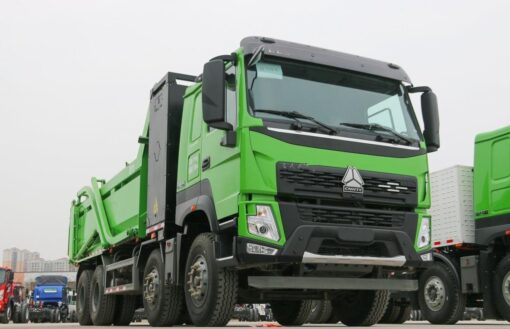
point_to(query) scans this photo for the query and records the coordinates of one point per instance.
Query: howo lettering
(239, 193)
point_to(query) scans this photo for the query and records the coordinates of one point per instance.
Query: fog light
(256, 249)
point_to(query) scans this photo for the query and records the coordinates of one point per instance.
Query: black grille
(331, 248)
(350, 216)
(302, 181)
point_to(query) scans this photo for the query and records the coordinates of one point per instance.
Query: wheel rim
(435, 293)
(27, 314)
(198, 280)
(151, 285)
(95, 296)
(81, 297)
(8, 313)
(506, 288)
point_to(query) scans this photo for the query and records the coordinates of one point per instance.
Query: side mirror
(430, 114)
(11, 277)
(213, 95)
(431, 120)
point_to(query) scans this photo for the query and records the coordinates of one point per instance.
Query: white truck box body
(452, 206)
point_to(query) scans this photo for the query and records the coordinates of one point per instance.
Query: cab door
(220, 164)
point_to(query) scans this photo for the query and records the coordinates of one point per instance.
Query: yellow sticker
(155, 207)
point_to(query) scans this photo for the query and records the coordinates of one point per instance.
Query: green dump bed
(105, 215)
(108, 214)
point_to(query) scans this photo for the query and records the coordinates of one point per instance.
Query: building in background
(28, 265)
(58, 265)
(17, 259)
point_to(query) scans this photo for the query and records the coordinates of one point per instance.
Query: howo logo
(353, 183)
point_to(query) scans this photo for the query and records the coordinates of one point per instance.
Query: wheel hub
(506, 288)
(198, 280)
(151, 284)
(435, 294)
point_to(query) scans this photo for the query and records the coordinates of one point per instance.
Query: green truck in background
(284, 174)
(470, 236)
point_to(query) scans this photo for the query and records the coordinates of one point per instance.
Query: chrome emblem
(353, 183)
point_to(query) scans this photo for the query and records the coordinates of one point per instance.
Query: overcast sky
(75, 78)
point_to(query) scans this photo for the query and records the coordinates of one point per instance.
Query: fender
(195, 198)
(446, 260)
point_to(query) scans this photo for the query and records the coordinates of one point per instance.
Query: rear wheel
(210, 291)
(25, 313)
(124, 310)
(440, 296)
(162, 302)
(291, 313)
(391, 314)
(6, 316)
(404, 314)
(83, 298)
(102, 306)
(361, 308)
(501, 288)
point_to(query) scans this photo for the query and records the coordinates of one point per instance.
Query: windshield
(2, 276)
(332, 96)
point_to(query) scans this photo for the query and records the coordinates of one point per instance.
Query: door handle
(206, 163)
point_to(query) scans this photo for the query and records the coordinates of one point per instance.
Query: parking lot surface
(236, 324)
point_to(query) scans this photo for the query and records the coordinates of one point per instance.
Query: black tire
(7, 315)
(392, 313)
(162, 302)
(125, 307)
(446, 303)
(184, 317)
(25, 313)
(501, 288)
(16, 314)
(405, 314)
(212, 304)
(316, 311)
(291, 313)
(327, 311)
(361, 308)
(102, 307)
(83, 298)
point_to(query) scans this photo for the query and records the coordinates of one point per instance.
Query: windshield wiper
(296, 115)
(376, 126)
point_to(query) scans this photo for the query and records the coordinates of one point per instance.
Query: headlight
(1, 294)
(263, 224)
(424, 233)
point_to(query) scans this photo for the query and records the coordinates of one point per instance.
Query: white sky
(75, 78)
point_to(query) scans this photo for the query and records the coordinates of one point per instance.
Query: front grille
(330, 247)
(303, 181)
(350, 216)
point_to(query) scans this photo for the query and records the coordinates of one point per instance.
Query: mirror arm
(230, 139)
(226, 58)
(422, 89)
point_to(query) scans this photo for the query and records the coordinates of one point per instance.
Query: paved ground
(235, 324)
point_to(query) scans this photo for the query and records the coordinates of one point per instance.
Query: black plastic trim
(200, 196)
(339, 145)
(321, 56)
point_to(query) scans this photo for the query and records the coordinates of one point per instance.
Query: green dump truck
(282, 174)
(471, 236)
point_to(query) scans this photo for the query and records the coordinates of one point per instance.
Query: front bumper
(306, 246)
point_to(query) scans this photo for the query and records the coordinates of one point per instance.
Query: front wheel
(501, 288)
(361, 307)
(440, 296)
(6, 317)
(161, 300)
(210, 291)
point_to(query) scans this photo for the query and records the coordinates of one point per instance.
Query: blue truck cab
(49, 299)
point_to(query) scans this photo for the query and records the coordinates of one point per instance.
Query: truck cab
(6, 294)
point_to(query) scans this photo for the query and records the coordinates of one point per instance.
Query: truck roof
(296, 51)
(51, 280)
